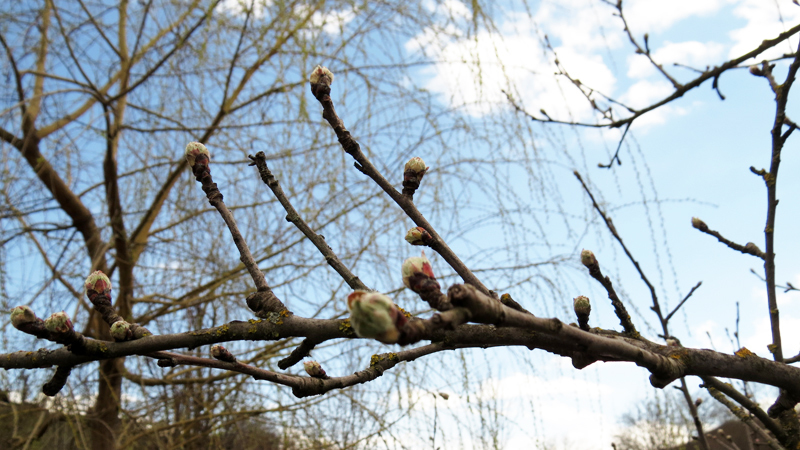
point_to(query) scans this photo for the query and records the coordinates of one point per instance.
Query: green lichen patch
(346, 328)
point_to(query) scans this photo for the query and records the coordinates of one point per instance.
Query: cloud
(764, 21)
(473, 73)
(647, 16)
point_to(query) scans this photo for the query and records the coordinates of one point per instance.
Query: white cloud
(474, 72)
(763, 21)
(239, 7)
(648, 16)
(332, 22)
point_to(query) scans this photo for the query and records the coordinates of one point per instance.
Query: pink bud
(375, 316)
(58, 323)
(195, 150)
(417, 273)
(98, 282)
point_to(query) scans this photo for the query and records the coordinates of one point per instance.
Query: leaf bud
(417, 165)
(221, 353)
(121, 331)
(195, 150)
(314, 369)
(98, 282)
(418, 236)
(374, 315)
(22, 315)
(699, 224)
(58, 323)
(587, 258)
(413, 172)
(582, 305)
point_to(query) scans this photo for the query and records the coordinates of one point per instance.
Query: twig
(701, 435)
(749, 249)
(744, 417)
(669, 316)
(260, 161)
(322, 92)
(619, 146)
(751, 406)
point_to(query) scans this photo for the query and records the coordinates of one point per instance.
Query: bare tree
(174, 75)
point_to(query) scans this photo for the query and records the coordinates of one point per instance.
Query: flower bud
(121, 331)
(22, 315)
(416, 165)
(375, 316)
(98, 282)
(698, 402)
(699, 224)
(444, 395)
(314, 369)
(752, 247)
(413, 172)
(322, 75)
(587, 258)
(221, 353)
(582, 305)
(418, 236)
(58, 323)
(417, 273)
(195, 150)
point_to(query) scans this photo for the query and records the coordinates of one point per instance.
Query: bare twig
(260, 161)
(751, 406)
(749, 249)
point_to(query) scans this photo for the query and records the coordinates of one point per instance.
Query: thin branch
(672, 313)
(749, 249)
(751, 406)
(260, 161)
(744, 417)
